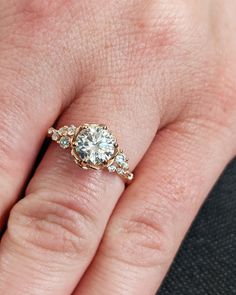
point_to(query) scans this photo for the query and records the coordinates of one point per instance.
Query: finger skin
(48, 57)
(56, 229)
(47, 229)
(39, 233)
(32, 95)
(155, 212)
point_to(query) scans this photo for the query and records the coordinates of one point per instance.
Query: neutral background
(206, 262)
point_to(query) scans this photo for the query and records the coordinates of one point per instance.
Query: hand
(162, 76)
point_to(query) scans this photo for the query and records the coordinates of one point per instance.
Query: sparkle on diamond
(95, 145)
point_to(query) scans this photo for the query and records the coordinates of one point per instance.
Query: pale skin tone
(162, 76)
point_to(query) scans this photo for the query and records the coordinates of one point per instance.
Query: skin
(162, 75)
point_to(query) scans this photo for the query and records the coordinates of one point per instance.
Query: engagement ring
(93, 146)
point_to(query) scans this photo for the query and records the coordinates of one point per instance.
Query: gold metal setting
(93, 146)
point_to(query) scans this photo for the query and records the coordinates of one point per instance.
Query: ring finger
(54, 232)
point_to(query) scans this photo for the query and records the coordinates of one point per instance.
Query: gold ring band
(93, 146)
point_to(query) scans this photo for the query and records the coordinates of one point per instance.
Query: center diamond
(95, 145)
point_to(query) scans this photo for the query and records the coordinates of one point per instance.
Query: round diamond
(120, 171)
(51, 130)
(64, 142)
(55, 136)
(120, 159)
(95, 145)
(71, 130)
(125, 165)
(63, 131)
(111, 168)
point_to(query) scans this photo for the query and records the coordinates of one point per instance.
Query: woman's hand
(162, 76)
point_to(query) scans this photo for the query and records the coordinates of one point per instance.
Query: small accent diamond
(120, 159)
(63, 131)
(125, 165)
(55, 136)
(111, 168)
(51, 131)
(64, 142)
(71, 130)
(120, 171)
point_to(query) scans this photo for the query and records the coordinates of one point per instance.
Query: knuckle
(54, 226)
(36, 11)
(142, 240)
(37, 26)
(212, 119)
(172, 192)
(214, 105)
(224, 112)
(220, 105)
(156, 25)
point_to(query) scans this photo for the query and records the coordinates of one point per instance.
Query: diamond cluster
(63, 135)
(121, 166)
(95, 145)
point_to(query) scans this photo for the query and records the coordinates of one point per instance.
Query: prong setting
(93, 146)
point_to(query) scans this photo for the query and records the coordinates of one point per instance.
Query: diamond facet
(95, 145)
